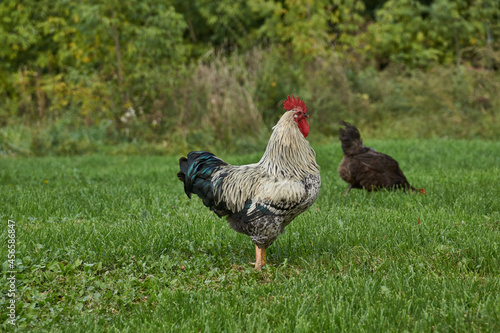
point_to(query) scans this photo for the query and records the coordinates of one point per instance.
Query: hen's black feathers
(364, 168)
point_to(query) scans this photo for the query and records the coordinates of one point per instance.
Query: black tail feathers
(184, 166)
(196, 173)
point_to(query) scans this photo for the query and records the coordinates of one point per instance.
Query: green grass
(113, 244)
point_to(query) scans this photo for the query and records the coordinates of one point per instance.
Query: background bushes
(78, 77)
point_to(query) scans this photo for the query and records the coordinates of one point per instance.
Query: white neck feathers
(288, 153)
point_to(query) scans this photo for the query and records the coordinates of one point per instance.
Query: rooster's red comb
(292, 103)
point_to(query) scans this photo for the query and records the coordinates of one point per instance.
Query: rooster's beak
(306, 115)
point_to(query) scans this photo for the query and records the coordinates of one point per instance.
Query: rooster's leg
(348, 189)
(260, 257)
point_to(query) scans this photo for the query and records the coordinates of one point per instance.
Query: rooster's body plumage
(259, 199)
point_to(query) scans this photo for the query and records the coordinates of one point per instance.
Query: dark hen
(365, 168)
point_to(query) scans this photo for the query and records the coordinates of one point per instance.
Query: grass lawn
(111, 243)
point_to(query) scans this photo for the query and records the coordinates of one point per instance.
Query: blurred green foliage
(77, 75)
(422, 36)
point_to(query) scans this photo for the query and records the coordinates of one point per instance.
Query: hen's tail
(196, 174)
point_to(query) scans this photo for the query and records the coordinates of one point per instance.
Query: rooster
(260, 199)
(365, 168)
